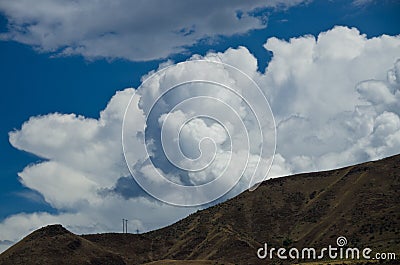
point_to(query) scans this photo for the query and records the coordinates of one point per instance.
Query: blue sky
(36, 80)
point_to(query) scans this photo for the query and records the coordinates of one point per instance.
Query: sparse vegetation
(358, 202)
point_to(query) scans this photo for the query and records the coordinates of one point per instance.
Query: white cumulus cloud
(128, 29)
(335, 98)
(326, 93)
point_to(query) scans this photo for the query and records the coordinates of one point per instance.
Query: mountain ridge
(359, 202)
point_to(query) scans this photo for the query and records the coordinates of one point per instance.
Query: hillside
(56, 245)
(359, 202)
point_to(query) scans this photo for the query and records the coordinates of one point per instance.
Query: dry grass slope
(359, 202)
(56, 245)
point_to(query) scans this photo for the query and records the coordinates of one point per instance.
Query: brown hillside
(55, 245)
(359, 202)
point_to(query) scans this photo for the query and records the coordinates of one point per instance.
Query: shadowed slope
(359, 202)
(55, 245)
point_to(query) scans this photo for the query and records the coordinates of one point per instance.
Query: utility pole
(124, 226)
